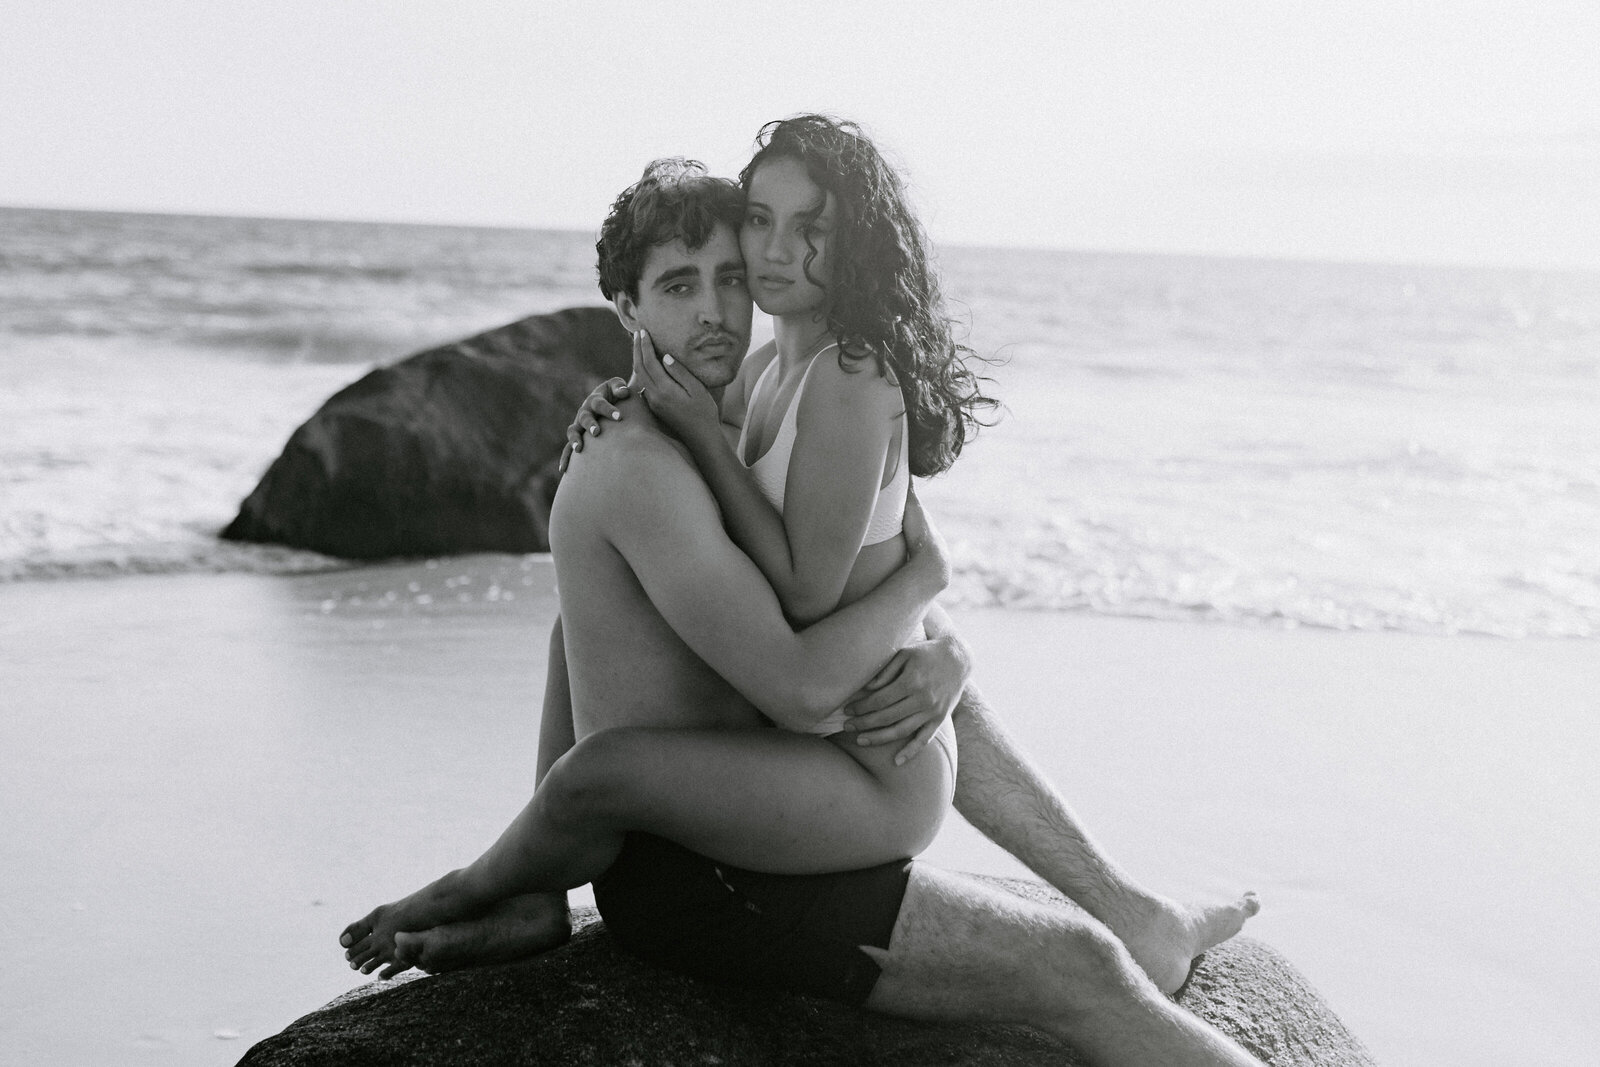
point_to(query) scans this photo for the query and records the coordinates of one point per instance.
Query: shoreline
(211, 774)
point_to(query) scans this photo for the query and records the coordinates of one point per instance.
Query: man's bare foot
(369, 941)
(521, 926)
(1167, 937)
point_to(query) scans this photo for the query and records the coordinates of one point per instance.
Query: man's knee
(965, 950)
(1083, 973)
(593, 779)
(1096, 968)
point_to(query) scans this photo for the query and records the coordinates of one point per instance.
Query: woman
(861, 387)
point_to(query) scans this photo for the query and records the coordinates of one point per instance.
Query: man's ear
(627, 312)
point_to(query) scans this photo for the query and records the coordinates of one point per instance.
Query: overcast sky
(1374, 129)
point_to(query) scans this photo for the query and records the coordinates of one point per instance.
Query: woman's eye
(755, 220)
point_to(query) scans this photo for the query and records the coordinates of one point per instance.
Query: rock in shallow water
(451, 450)
(588, 1003)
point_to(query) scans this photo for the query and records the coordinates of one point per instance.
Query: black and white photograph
(833, 533)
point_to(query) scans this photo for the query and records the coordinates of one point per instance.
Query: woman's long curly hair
(884, 297)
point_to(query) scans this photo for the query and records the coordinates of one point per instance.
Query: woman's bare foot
(521, 926)
(369, 942)
(1167, 937)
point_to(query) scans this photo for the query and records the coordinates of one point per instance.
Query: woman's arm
(663, 521)
(846, 422)
(735, 404)
(599, 406)
(556, 732)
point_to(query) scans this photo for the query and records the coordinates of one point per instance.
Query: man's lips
(713, 344)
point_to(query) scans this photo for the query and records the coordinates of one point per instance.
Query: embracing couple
(755, 713)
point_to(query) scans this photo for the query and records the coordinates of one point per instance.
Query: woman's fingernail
(615, 416)
(666, 360)
(594, 431)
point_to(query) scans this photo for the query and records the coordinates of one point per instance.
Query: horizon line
(1398, 262)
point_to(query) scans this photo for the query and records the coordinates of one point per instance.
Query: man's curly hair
(675, 199)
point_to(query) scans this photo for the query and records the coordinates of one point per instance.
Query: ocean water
(1242, 445)
(1259, 442)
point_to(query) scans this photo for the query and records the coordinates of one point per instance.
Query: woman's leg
(763, 799)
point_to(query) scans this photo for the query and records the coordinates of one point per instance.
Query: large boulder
(451, 450)
(588, 1003)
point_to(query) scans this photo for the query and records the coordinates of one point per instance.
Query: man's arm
(665, 524)
(915, 692)
(556, 733)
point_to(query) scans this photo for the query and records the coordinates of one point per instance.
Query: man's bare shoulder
(632, 465)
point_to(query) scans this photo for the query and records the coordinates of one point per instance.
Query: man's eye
(677, 288)
(734, 279)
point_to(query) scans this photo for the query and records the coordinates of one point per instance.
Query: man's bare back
(626, 665)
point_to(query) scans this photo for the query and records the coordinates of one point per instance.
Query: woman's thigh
(767, 799)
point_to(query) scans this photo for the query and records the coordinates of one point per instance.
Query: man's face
(695, 305)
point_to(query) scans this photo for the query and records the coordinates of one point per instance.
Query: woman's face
(785, 208)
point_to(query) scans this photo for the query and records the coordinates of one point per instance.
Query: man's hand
(916, 690)
(595, 409)
(912, 696)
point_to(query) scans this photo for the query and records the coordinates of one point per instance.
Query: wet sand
(206, 776)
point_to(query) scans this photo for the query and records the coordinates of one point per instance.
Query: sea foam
(1347, 446)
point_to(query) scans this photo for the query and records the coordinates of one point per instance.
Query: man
(662, 617)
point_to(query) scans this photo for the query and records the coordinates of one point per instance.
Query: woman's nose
(777, 247)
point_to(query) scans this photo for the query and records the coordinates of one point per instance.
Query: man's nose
(709, 312)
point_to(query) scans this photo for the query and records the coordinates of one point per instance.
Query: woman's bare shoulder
(847, 388)
(858, 374)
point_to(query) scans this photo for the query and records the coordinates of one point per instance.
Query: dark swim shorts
(800, 933)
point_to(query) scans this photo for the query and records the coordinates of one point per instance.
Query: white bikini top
(771, 468)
